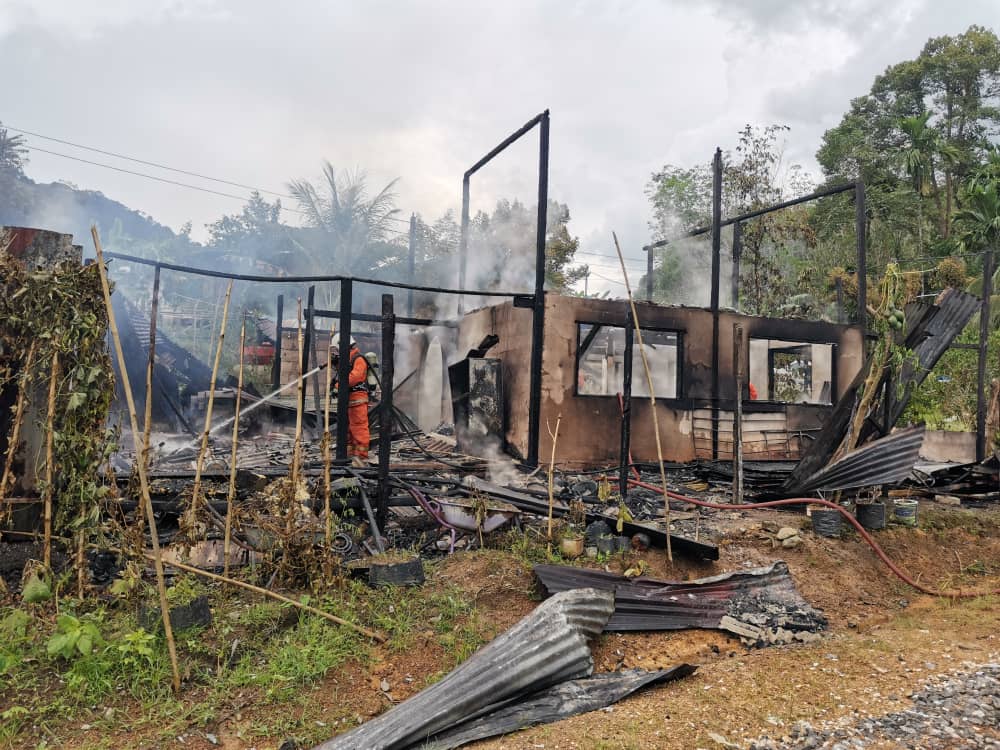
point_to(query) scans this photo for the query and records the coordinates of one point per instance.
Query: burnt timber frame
(538, 300)
(860, 227)
(344, 315)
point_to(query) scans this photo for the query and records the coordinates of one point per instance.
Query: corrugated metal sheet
(761, 596)
(929, 336)
(884, 461)
(568, 699)
(547, 647)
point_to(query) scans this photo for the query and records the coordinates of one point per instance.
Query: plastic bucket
(871, 515)
(905, 512)
(826, 521)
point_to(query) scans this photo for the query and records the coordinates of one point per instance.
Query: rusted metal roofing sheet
(885, 461)
(547, 647)
(568, 699)
(762, 597)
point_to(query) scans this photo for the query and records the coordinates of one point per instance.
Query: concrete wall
(590, 433)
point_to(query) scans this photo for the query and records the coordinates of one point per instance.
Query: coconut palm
(352, 232)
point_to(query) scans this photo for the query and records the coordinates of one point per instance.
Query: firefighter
(358, 436)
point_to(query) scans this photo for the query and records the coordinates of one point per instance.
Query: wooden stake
(232, 458)
(257, 589)
(326, 440)
(652, 397)
(80, 568)
(50, 433)
(161, 585)
(196, 489)
(15, 433)
(552, 467)
(738, 416)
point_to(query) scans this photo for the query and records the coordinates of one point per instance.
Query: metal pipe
(344, 367)
(626, 436)
(369, 318)
(308, 279)
(984, 335)
(538, 311)
(716, 265)
(386, 416)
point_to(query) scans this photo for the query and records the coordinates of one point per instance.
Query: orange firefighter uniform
(358, 435)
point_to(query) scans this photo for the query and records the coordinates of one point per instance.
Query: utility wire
(140, 161)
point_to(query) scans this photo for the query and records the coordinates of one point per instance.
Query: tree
(13, 152)
(352, 233)
(754, 176)
(502, 248)
(926, 124)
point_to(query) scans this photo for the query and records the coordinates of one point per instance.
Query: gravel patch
(959, 710)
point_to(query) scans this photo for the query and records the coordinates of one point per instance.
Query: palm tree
(924, 145)
(13, 151)
(353, 233)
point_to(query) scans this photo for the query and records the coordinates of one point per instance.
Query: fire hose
(899, 572)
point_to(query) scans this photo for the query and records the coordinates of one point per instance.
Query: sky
(259, 93)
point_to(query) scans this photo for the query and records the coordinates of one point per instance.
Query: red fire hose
(900, 573)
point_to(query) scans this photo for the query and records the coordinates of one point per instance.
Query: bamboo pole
(50, 433)
(79, 565)
(297, 446)
(161, 585)
(552, 467)
(200, 465)
(652, 396)
(326, 440)
(232, 458)
(258, 590)
(15, 433)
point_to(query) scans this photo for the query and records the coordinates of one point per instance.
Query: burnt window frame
(636, 372)
(796, 342)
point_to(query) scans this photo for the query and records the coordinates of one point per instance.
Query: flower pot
(571, 547)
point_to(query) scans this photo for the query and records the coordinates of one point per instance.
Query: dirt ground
(884, 639)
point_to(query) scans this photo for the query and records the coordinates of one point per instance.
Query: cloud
(260, 92)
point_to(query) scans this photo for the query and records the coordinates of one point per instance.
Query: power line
(141, 161)
(613, 281)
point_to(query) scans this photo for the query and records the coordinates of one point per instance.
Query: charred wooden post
(328, 525)
(716, 263)
(737, 257)
(148, 411)
(300, 403)
(861, 234)
(538, 312)
(15, 432)
(344, 367)
(839, 284)
(626, 438)
(649, 272)
(231, 495)
(307, 342)
(50, 434)
(278, 333)
(412, 262)
(463, 237)
(385, 409)
(984, 334)
(738, 417)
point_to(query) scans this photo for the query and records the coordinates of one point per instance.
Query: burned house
(590, 362)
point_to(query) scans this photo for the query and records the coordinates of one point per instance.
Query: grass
(263, 652)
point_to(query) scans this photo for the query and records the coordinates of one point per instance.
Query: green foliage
(137, 649)
(36, 589)
(74, 637)
(13, 151)
(62, 312)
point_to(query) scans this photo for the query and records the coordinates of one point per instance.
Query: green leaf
(56, 644)
(85, 644)
(36, 590)
(76, 400)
